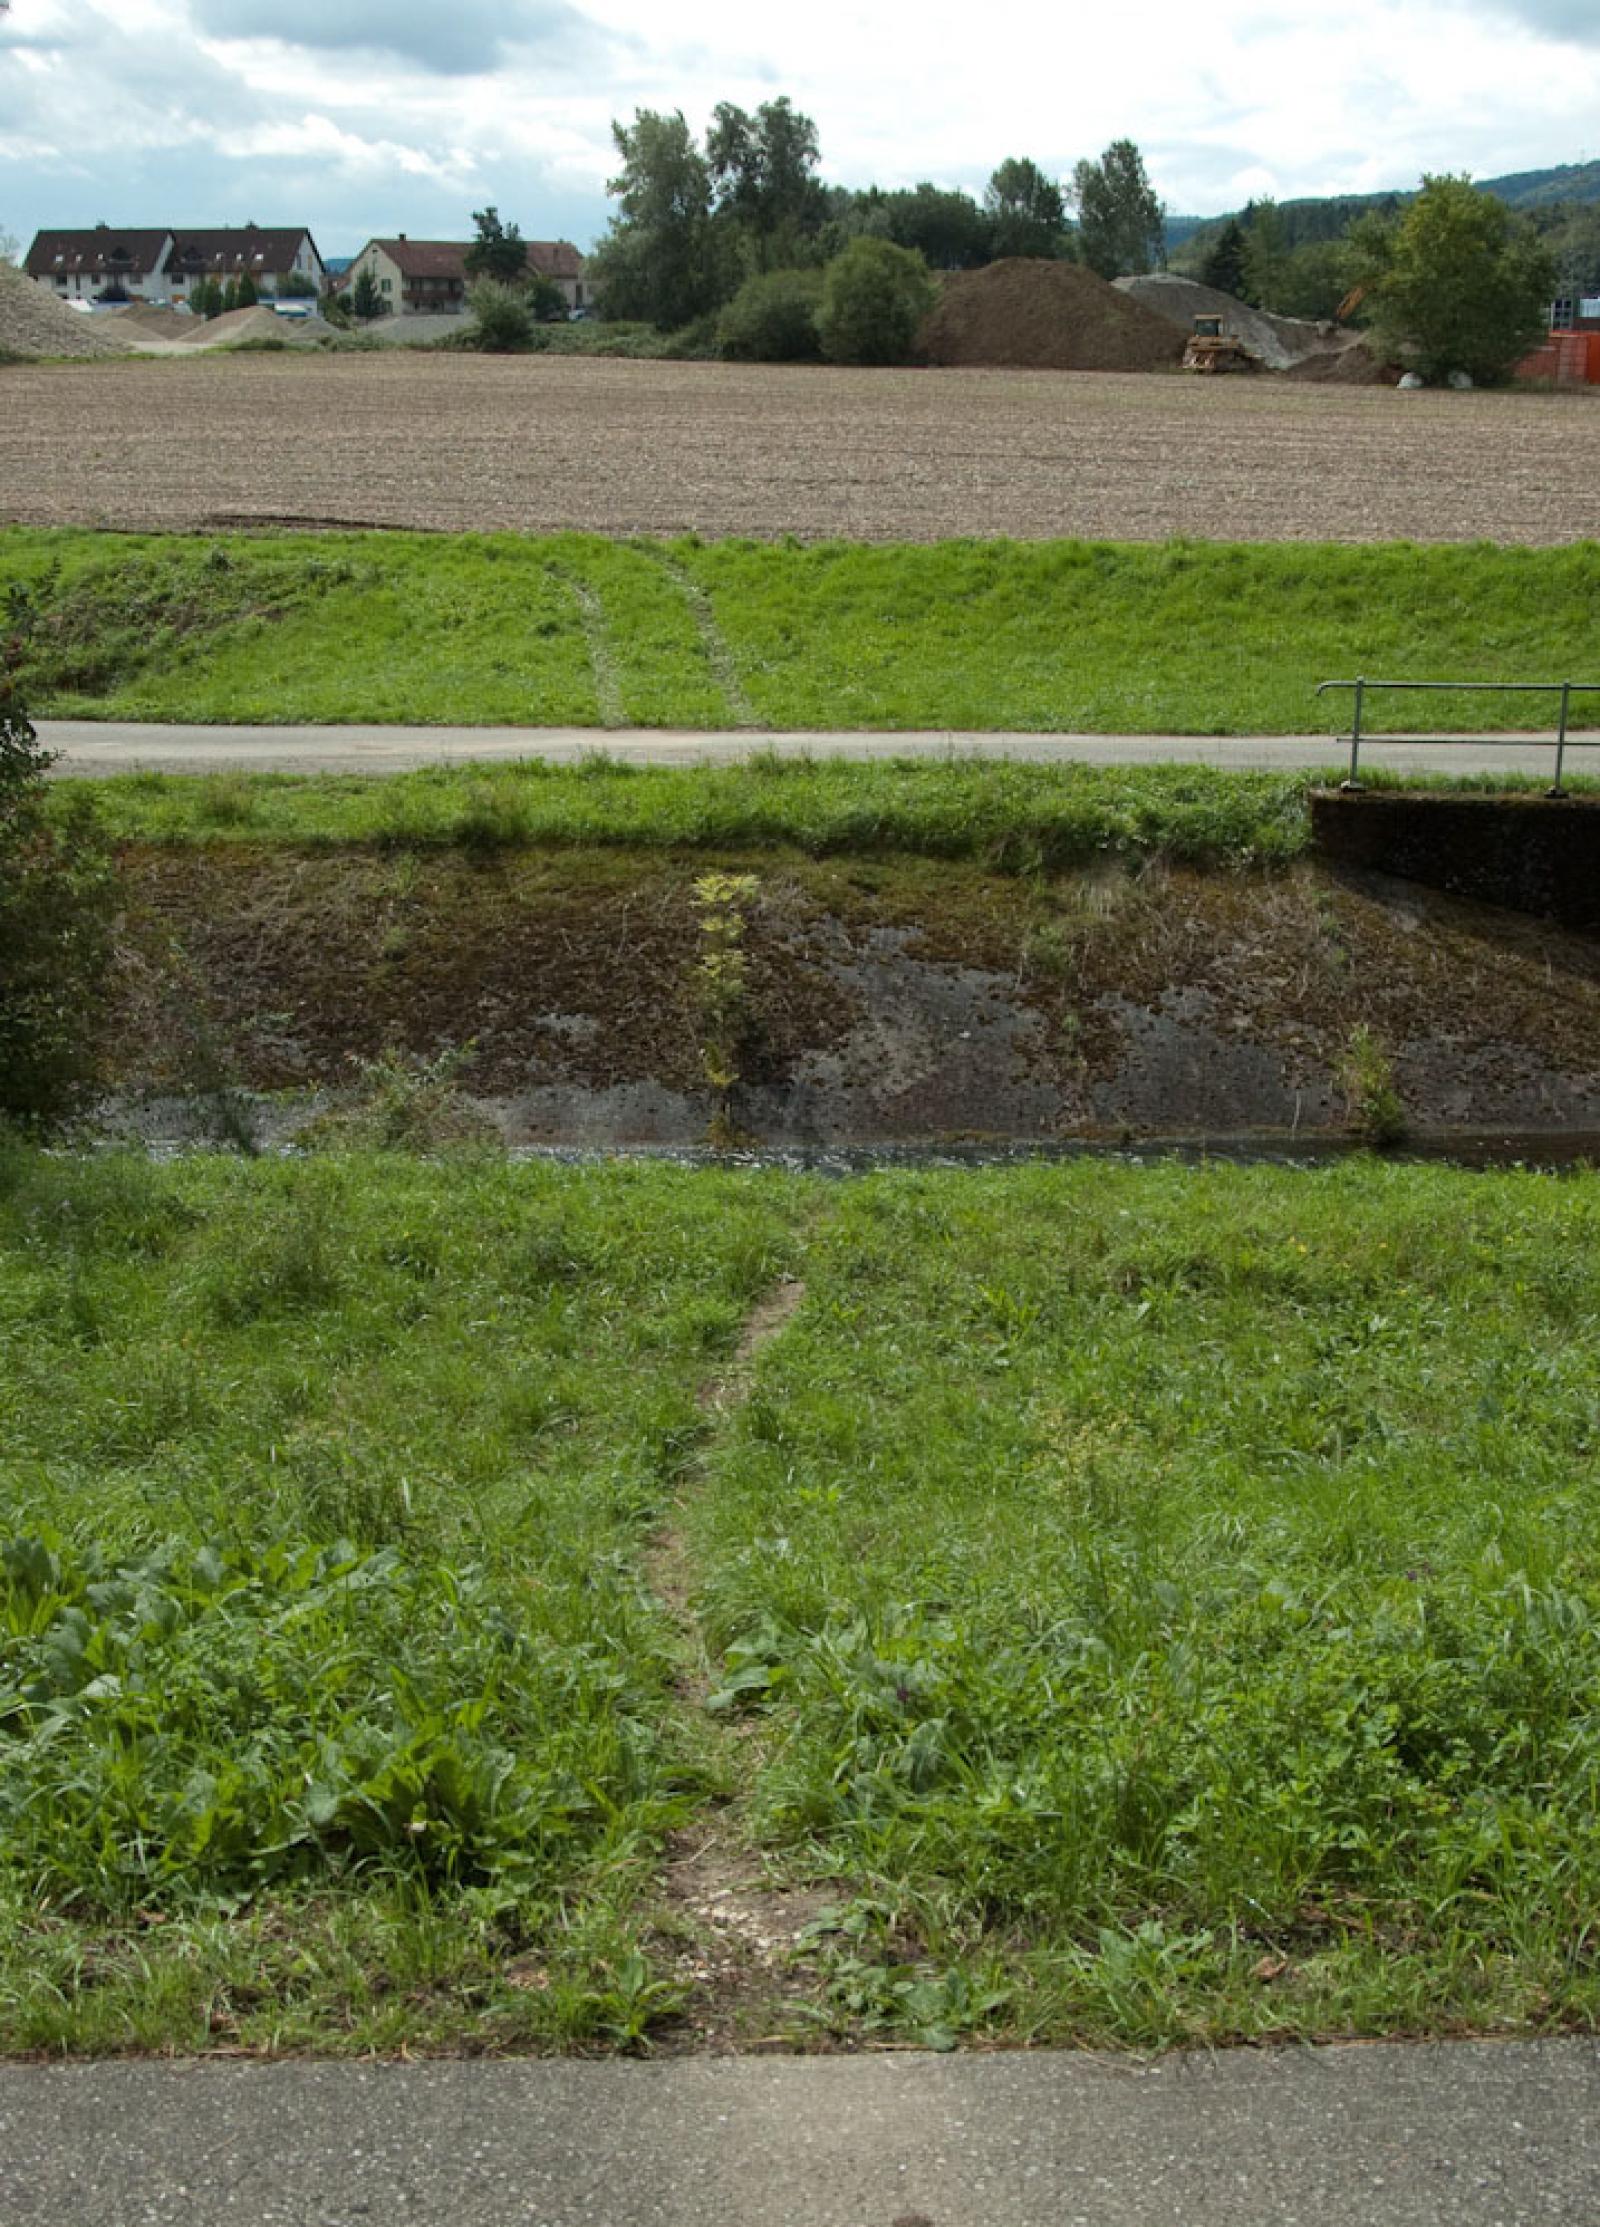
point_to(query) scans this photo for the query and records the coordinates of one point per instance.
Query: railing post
(1561, 737)
(1353, 779)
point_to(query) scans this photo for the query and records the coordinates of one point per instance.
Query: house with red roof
(430, 277)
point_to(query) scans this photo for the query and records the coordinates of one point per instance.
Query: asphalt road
(1410, 2135)
(90, 747)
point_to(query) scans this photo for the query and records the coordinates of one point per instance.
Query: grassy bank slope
(1010, 815)
(574, 630)
(1139, 1603)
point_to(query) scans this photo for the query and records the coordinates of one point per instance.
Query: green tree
(1456, 283)
(773, 319)
(1025, 210)
(1226, 265)
(502, 322)
(656, 261)
(498, 252)
(247, 294)
(297, 286)
(366, 297)
(763, 169)
(55, 904)
(1122, 225)
(875, 297)
(946, 228)
(545, 299)
(1266, 254)
(1315, 280)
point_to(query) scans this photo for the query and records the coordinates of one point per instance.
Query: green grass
(1184, 637)
(1148, 1603)
(328, 1683)
(1011, 815)
(1173, 1600)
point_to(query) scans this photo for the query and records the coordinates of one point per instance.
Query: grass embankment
(1009, 815)
(1161, 1604)
(1185, 637)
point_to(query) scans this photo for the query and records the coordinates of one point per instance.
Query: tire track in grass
(731, 1935)
(597, 640)
(719, 656)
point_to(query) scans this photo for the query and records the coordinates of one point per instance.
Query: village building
(430, 277)
(279, 259)
(102, 264)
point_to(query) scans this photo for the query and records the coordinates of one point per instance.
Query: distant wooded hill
(1331, 216)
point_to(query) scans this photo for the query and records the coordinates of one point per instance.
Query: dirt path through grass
(730, 1934)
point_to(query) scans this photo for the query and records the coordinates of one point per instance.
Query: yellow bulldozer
(1211, 347)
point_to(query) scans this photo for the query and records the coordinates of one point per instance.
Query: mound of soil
(1353, 365)
(256, 323)
(150, 321)
(34, 324)
(1031, 314)
(1277, 342)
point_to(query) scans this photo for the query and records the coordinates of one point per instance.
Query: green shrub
(54, 920)
(874, 299)
(1375, 1110)
(773, 319)
(502, 323)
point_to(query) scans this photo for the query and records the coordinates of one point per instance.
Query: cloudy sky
(364, 116)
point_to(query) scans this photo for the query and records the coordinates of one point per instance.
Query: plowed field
(461, 442)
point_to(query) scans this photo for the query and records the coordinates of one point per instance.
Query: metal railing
(1564, 689)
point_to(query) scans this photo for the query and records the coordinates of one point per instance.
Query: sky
(362, 117)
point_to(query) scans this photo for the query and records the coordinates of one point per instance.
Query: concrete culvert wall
(883, 1001)
(1532, 854)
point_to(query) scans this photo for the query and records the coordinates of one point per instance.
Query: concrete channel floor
(1466, 2134)
(91, 746)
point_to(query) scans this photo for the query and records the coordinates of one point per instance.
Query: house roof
(447, 258)
(241, 247)
(94, 250)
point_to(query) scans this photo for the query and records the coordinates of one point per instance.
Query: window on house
(386, 285)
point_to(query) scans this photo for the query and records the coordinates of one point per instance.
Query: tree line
(699, 217)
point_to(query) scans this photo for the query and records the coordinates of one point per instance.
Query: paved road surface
(122, 746)
(1455, 2135)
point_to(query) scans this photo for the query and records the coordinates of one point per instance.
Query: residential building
(430, 277)
(102, 264)
(267, 254)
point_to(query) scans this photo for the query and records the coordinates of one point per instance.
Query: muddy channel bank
(882, 1002)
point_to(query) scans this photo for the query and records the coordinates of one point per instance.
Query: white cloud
(376, 115)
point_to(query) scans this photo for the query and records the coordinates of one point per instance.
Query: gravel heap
(1037, 315)
(34, 324)
(1350, 365)
(150, 321)
(1277, 342)
(256, 323)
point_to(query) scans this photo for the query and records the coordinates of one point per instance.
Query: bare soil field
(617, 447)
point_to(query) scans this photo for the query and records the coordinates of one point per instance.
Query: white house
(101, 264)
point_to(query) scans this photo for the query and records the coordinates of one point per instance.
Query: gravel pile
(150, 321)
(256, 323)
(1277, 342)
(1028, 314)
(34, 324)
(1349, 366)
